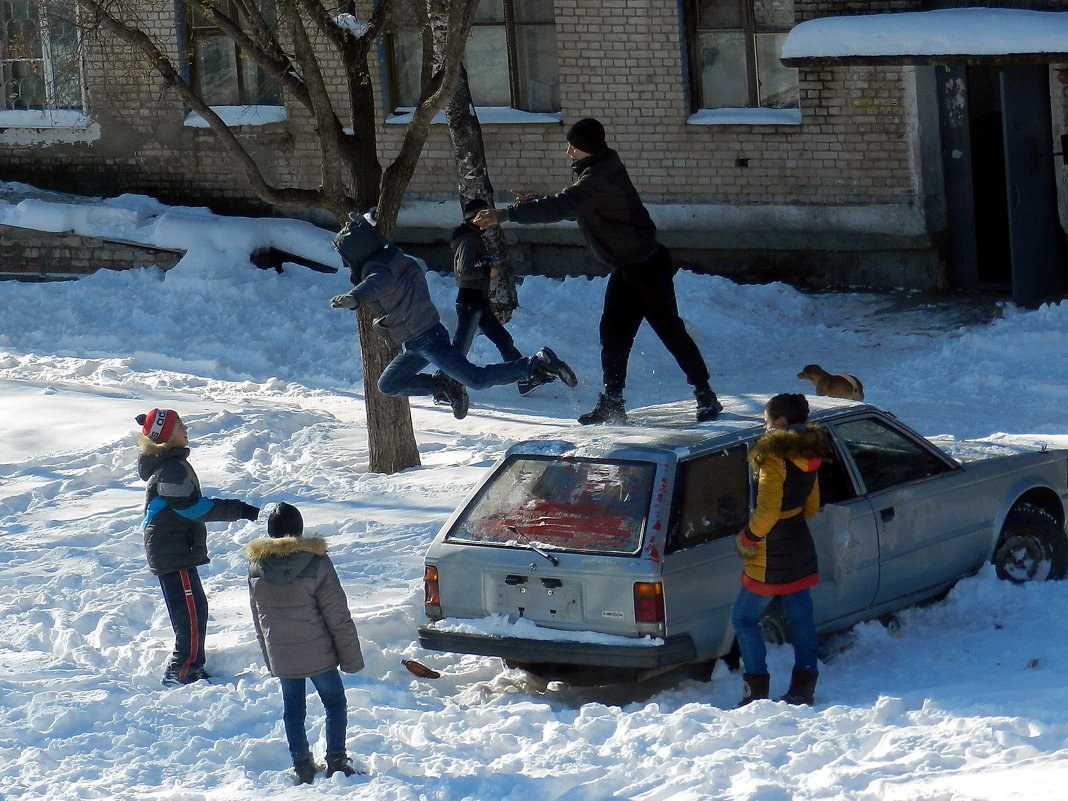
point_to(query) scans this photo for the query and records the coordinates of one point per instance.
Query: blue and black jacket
(175, 511)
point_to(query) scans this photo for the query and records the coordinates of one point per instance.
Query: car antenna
(533, 546)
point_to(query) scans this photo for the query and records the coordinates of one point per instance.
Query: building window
(221, 74)
(734, 54)
(39, 63)
(511, 58)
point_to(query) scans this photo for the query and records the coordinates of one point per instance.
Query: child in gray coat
(305, 631)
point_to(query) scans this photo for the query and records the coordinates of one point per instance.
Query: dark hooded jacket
(299, 608)
(610, 214)
(470, 260)
(787, 461)
(175, 511)
(392, 283)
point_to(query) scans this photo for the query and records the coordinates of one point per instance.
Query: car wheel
(1031, 547)
(773, 625)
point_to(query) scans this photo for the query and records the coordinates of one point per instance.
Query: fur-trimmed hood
(152, 454)
(796, 442)
(280, 560)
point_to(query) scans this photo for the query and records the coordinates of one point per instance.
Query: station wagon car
(611, 553)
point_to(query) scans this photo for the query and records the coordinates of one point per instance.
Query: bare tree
(303, 45)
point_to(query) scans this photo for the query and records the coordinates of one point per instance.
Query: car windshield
(568, 504)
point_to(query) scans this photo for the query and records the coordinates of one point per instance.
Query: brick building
(834, 168)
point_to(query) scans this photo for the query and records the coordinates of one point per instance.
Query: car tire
(1031, 547)
(773, 625)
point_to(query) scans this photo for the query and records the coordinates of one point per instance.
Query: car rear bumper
(677, 650)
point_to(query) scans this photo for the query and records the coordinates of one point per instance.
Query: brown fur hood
(277, 547)
(792, 442)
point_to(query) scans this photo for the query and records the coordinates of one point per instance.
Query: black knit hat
(285, 521)
(473, 207)
(587, 135)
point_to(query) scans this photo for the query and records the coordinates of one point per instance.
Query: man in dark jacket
(621, 235)
(176, 540)
(473, 267)
(394, 285)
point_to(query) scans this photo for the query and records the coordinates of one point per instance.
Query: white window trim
(237, 116)
(487, 115)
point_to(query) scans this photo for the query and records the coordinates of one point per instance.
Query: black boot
(305, 770)
(755, 687)
(708, 405)
(609, 409)
(339, 763)
(450, 392)
(548, 366)
(802, 688)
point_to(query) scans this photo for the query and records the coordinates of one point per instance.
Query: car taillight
(648, 602)
(431, 593)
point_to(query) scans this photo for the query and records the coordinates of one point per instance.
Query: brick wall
(39, 255)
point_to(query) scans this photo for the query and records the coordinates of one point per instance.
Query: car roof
(670, 428)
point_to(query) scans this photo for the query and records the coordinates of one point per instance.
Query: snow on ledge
(487, 115)
(951, 31)
(235, 116)
(746, 116)
(46, 127)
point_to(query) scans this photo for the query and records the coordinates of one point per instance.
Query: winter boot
(755, 687)
(708, 405)
(304, 770)
(549, 366)
(450, 392)
(172, 676)
(609, 409)
(802, 688)
(528, 385)
(339, 763)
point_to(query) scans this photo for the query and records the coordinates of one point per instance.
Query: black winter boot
(708, 405)
(339, 763)
(549, 366)
(802, 688)
(305, 770)
(450, 392)
(755, 687)
(608, 410)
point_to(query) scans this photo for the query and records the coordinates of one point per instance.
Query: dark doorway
(997, 145)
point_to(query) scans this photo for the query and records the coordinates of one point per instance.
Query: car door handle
(887, 514)
(514, 580)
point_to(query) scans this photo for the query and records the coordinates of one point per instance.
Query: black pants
(645, 291)
(187, 606)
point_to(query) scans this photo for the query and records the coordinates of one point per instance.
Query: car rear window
(568, 504)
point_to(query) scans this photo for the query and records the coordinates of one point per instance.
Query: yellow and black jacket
(784, 559)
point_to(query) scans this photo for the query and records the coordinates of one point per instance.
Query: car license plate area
(539, 598)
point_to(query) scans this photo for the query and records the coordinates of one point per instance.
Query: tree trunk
(390, 435)
(469, 151)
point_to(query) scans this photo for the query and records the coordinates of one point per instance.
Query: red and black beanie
(158, 424)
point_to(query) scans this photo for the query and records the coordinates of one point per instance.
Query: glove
(742, 545)
(344, 302)
(248, 511)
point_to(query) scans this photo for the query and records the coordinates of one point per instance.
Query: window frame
(198, 28)
(750, 32)
(47, 60)
(516, 91)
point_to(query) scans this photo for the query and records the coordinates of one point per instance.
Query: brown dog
(842, 385)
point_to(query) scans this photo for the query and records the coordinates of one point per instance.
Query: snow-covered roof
(954, 35)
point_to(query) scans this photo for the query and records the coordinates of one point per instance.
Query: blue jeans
(402, 376)
(472, 317)
(295, 711)
(748, 607)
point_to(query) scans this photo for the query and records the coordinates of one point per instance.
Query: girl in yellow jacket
(778, 553)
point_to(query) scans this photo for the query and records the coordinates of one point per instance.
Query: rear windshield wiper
(533, 545)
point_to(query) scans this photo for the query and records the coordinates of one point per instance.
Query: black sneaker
(528, 385)
(607, 410)
(550, 366)
(304, 770)
(708, 405)
(172, 677)
(450, 392)
(340, 763)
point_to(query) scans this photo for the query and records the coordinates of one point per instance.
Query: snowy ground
(966, 701)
